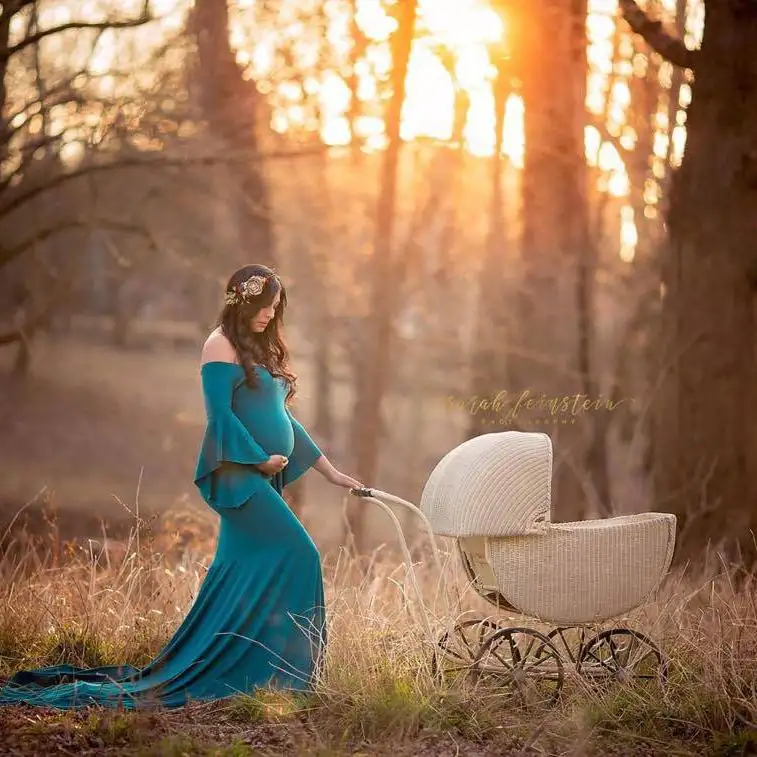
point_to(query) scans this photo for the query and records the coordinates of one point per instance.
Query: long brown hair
(267, 348)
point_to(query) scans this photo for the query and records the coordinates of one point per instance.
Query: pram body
(492, 495)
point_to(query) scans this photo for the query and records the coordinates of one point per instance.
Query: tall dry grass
(92, 604)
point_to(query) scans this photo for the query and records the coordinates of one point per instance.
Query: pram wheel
(525, 659)
(564, 641)
(622, 654)
(457, 649)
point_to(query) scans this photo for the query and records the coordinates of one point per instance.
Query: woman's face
(261, 319)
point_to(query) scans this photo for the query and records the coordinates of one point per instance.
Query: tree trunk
(5, 27)
(357, 53)
(595, 462)
(553, 324)
(232, 107)
(325, 323)
(22, 362)
(324, 416)
(489, 365)
(705, 411)
(377, 367)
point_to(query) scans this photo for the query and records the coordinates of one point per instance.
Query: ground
(205, 731)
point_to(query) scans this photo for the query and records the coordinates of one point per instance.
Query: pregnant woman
(259, 618)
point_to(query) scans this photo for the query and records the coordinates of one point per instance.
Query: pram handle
(376, 495)
(364, 492)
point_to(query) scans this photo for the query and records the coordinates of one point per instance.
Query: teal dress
(259, 618)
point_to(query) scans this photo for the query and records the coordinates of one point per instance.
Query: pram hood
(496, 484)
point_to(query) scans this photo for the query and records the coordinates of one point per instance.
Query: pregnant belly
(272, 431)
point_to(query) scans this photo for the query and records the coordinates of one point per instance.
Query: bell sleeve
(304, 455)
(225, 472)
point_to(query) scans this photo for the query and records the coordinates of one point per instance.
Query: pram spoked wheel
(561, 641)
(525, 660)
(618, 654)
(519, 658)
(622, 654)
(457, 650)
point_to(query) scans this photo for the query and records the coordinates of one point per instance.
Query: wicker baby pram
(492, 494)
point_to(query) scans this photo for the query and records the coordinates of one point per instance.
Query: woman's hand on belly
(274, 464)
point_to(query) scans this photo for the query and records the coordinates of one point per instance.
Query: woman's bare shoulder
(218, 348)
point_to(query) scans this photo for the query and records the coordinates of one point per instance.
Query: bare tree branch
(63, 98)
(27, 151)
(14, 7)
(9, 253)
(32, 39)
(159, 162)
(669, 46)
(32, 323)
(64, 88)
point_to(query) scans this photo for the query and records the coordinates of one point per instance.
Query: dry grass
(63, 604)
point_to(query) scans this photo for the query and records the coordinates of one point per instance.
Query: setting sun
(468, 30)
(468, 33)
(452, 54)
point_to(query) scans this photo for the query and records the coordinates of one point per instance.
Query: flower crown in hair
(243, 292)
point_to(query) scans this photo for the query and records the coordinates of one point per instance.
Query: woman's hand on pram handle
(342, 479)
(334, 476)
